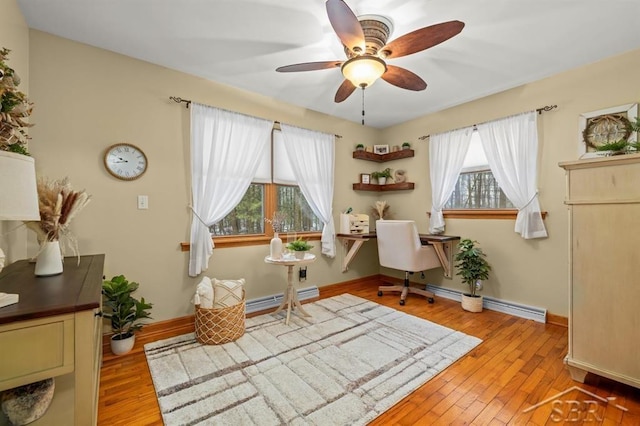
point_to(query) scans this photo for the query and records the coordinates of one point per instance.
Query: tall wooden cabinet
(603, 199)
(55, 330)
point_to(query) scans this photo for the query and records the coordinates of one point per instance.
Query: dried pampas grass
(58, 204)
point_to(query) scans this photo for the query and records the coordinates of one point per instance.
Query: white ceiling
(504, 44)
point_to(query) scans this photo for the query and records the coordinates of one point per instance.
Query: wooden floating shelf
(404, 186)
(381, 158)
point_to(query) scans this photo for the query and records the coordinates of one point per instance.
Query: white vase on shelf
(49, 259)
(275, 247)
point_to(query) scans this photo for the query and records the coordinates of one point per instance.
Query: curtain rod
(179, 100)
(540, 111)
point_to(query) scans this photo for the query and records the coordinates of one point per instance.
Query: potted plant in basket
(299, 247)
(382, 176)
(473, 268)
(124, 311)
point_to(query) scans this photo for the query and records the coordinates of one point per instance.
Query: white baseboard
(273, 301)
(506, 307)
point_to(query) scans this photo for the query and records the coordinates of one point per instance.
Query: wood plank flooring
(518, 365)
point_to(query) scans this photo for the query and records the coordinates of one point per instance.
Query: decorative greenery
(360, 146)
(14, 108)
(617, 146)
(299, 245)
(124, 310)
(624, 146)
(386, 173)
(471, 263)
(406, 145)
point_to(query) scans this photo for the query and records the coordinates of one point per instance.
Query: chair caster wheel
(430, 300)
(402, 303)
(379, 293)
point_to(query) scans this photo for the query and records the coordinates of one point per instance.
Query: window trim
(505, 214)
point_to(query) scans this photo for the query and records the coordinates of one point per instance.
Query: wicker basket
(218, 326)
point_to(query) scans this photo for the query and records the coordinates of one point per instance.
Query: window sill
(251, 240)
(508, 214)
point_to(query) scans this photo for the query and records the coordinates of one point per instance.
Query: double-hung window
(274, 189)
(476, 187)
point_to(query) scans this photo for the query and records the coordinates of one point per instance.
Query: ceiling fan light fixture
(363, 71)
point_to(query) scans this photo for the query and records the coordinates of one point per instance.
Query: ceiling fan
(366, 47)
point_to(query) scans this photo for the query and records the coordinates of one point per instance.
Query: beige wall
(532, 272)
(14, 35)
(87, 99)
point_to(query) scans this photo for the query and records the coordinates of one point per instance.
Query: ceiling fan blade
(422, 39)
(346, 25)
(344, 91)
(310, 66)
(403, 78)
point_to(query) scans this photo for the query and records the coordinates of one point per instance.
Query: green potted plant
(360, 147)
(473, 268)
(406, 145)
(382, 176)
(299, 247)
(124, 311)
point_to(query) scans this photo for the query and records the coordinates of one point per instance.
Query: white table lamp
(18, 190)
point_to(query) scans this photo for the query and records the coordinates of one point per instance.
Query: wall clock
(125, 161)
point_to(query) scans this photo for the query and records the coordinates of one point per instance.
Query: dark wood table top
(78, 288)
(423, 237)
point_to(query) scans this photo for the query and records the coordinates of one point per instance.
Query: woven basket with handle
(218, 326)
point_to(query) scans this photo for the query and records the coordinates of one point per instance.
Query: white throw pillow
(204, 294)
(227, 293)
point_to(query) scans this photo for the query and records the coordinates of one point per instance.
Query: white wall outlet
(143, 202)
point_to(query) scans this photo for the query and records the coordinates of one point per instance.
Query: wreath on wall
(14, 109)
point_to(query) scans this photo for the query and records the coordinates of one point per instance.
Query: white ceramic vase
(382, 180)
(122, 346)
(275, 247)
(49, 260)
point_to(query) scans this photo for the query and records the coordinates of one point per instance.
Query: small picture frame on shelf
(365, 178)
(381, 149)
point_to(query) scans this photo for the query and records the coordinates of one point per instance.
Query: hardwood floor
(518, 365)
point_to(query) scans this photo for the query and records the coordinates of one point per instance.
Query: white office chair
(399, 247)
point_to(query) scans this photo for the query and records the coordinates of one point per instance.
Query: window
(270, 192)
(476, 187)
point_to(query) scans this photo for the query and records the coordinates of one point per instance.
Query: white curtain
(311, 155)
(446, 158)
(511, 147)
(225, 151)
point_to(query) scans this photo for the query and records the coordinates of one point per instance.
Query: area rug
(349, 362)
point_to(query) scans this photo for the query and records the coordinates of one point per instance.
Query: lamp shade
(363, 71)
(18, 190)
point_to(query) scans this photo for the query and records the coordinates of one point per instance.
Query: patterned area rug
(347, 364)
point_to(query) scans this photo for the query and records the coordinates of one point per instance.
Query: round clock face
(125, 161)
(606, 129)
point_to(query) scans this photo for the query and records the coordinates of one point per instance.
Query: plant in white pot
(382, 176)
(124, 311)
(299, 247)
(473, 268)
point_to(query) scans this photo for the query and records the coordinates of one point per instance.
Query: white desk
(290, 297)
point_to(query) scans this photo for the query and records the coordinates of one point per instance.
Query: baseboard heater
(273, 301)
(506, 307)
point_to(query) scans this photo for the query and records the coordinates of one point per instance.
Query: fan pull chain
(363, 105)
